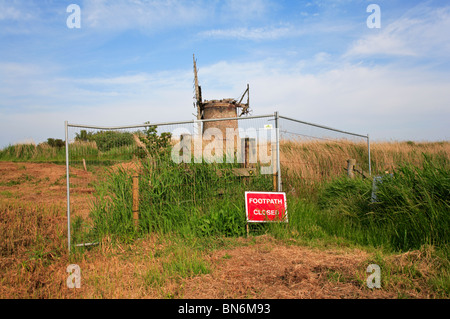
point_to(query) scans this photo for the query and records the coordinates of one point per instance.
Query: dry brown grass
(309, 163)
(31, 245)
(316, 160)
(386, 156)
(311, 158)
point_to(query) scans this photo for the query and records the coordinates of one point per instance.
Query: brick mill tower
(218, 109)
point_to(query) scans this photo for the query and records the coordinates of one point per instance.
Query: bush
(157, 145)
(58, 143)
(107, 140)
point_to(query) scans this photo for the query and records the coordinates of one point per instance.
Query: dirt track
(269, 270)
(45, 184)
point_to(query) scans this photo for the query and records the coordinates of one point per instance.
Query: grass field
(199, 249)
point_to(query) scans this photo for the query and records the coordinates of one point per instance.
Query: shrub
(107, 140)
(157, 145)
(55, 142)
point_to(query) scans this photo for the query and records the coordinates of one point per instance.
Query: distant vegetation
(42, 152)
(101, 147)
(106, 146)
(106, 140)
(58, 143)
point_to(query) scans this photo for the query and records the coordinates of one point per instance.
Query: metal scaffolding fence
(262, 153)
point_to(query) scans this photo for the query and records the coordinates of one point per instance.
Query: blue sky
(317, 61)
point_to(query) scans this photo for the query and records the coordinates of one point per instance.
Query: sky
(130, 61)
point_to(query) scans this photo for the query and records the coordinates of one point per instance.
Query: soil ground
(258, 267)
(45, 184)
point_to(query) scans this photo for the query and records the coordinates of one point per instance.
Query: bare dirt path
(45, 183)
(273, 270)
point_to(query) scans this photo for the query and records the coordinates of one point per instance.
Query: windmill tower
(217, 109)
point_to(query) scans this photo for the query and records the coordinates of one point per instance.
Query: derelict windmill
(215, 109)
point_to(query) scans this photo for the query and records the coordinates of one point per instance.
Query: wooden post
(181, 142)
(350, 167)
(246, 156)
(84, 164)
(185, 142)
(136, 199)
(246, 152)
(252, 152)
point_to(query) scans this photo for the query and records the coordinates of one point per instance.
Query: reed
(194, 198)
(410, 210)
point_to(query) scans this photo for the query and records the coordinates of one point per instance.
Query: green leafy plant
(156, 145)
(56, 142)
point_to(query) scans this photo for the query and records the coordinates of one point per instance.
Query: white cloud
(384, 44)
(36, 101)
(148, 15)
(420, 32)
(155, 15)
(245, 33)
(281, 30)
(385, 101)
(15, 11)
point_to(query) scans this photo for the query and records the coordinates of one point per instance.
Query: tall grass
(307, 166)
(78, 150)
(31, 152)
(411, 207)
(198, 198)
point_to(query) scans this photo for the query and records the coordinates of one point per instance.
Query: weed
(153, 277)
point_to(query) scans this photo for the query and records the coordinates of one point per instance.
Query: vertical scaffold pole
(68, 183)
(368, 148)
(277, 132)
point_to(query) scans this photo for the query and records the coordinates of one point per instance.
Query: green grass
(411, 209)
(180, 260)
(190, 199)
(32, 153)
(43, 153)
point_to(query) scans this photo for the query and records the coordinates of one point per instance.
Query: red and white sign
(265, 207)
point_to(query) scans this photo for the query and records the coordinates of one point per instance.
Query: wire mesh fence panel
(192, 176)
(312, 154)
(188, 174)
